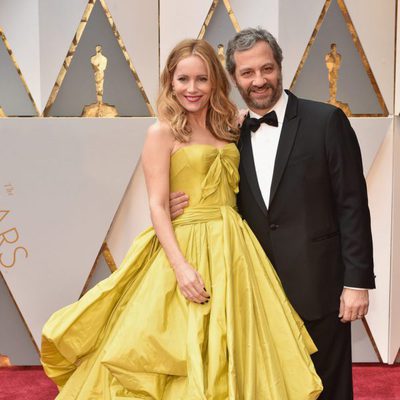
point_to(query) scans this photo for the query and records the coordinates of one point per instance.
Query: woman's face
(191, 84)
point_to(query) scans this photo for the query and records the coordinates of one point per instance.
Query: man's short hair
(245, 40)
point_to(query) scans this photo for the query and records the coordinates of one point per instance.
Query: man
(303, 193)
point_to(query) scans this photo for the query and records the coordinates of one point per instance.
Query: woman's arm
(156, 163)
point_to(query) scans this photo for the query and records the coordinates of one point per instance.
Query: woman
(195, 310)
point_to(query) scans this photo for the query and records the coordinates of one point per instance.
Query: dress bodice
(135, 335)
(209, 175)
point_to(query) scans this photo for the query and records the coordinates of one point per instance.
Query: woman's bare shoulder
(160, 130)
(159, 137)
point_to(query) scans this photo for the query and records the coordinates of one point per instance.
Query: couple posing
(204, 307)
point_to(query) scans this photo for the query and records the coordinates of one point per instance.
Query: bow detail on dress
(222, 164)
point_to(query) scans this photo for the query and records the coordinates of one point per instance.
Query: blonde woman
(195, 310)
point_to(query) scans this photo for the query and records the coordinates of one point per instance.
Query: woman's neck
(197, 120)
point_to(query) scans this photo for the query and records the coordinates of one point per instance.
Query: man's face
(258, 77)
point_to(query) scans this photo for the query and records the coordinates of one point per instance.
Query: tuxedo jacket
(316, 228)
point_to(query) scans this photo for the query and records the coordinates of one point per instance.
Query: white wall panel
(372, 135)
(132, 218)
(15, 340)
(253, 13)
(192, 14)
(19, 19)
(362, 349)
(67, 177)
(394, 332)
(99, 272)
(397, 66)
(379, 184)
(370, 132)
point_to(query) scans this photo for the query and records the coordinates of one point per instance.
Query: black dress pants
(333, 359)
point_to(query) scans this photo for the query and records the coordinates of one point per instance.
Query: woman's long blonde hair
(221, 116)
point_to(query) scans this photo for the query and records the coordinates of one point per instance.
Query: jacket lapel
(247, 161)
(286, 141)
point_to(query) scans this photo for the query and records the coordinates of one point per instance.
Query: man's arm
(350, 196)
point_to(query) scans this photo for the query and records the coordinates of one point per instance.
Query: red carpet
(25, 383)
(371, 382)
(376, 382)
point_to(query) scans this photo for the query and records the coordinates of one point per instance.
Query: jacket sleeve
(350, 195)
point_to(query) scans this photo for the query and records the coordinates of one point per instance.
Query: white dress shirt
(265, 144)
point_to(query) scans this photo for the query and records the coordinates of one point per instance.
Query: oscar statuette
(4, 361)
(333, 60)
(99, 109)
(221, 54)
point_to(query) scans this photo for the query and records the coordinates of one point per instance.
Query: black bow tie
(269, 118)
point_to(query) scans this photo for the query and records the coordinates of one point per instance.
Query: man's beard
(262, 104)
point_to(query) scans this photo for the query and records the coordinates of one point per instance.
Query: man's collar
(279, 108)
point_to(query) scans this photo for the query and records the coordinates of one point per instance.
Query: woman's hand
(191, 284)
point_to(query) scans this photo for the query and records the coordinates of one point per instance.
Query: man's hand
(178, 201)
(242, 113)
(353, 304)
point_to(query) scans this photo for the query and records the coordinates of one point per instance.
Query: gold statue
(4, 361)
(221, 54)
(99, 65)
(333, 60)
(99, 109)
(2, 113)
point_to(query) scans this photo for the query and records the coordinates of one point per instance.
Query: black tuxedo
(316, 229)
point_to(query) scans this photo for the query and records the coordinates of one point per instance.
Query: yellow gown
(134, 336)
